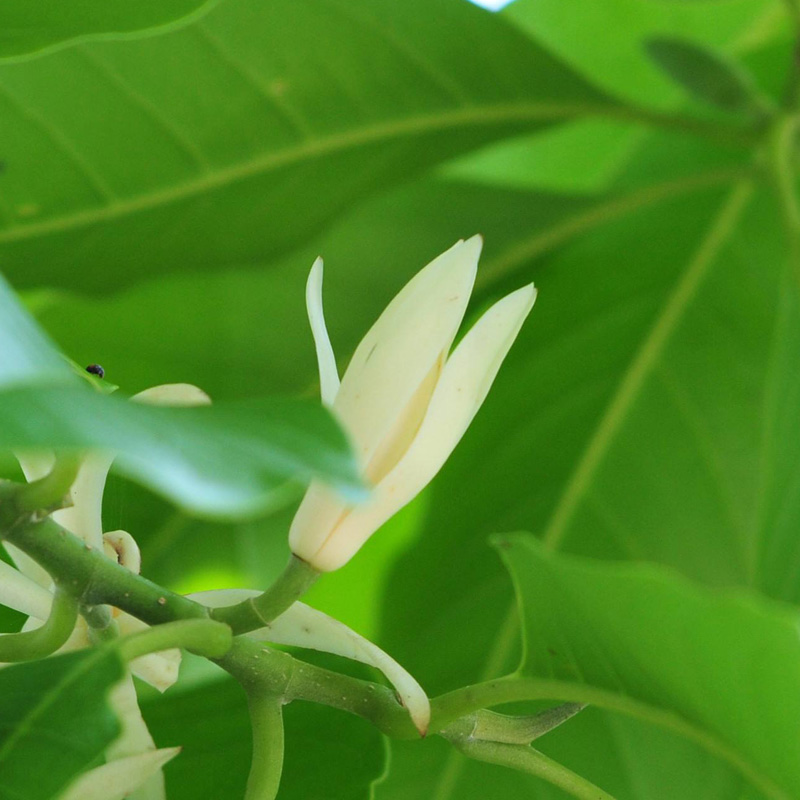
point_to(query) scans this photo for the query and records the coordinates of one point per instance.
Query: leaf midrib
(308, 150)
(48, 699)
(721, 227)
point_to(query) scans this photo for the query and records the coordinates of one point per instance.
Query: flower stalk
(48, 638)
(296, 579)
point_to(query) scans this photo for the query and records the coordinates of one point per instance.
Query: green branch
(525, 759)
(46, 639)
(256, 612)
(203, 637)
(97, 580)
(266, 717)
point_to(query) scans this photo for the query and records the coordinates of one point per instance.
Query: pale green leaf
(224, 460)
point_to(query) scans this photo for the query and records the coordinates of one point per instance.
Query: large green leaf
(55, 721)
(304, 108)
(27, 28)
(606, 39)
(225, 460)
(327, 753)
(706, 75)
(721, 667)
(694, 286)
(26, 356)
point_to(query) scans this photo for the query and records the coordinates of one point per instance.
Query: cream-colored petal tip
(118, 778)
(173, 394)
(521, 300)
(470, 249)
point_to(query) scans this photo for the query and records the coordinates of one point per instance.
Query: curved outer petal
(116, 780)
(23, 594)
(173, 394)
(326, 360)
(303, 626)
(465, 382)
(134, 738)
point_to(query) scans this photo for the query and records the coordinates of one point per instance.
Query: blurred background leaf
(55, 713)
(26, 29)
(329, 755)
(706, 75)
(304, 109)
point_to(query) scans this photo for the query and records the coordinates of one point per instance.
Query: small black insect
(96, 369)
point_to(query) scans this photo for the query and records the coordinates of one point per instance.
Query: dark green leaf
(226, 460)
(706, 75)
(55, 721)
(727, 664)
(27, 28)
(304, 109)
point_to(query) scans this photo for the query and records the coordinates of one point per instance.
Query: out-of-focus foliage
(27, 28)
(162, 199)
(55, 715)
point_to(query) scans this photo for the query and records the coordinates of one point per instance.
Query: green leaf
(27, 28)
(706, 75)
(329, 754)
(56, 721)
(721, 667)
(602, 294)
(604, 40)
(225, 460)
(26, 355)
(305, 109)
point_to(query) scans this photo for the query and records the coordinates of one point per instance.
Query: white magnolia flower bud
(405, 399)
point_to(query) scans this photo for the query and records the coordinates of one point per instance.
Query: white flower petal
(124, 550)
(23, 594)
(326, 360)
(134, 738)
(84, 517)
(462, 388)
(116, 780)
(303, 626)
(160, 670)
(402, 347)
(173, 394)
(320, 511)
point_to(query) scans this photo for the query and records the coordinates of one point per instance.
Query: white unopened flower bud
(405, 399)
